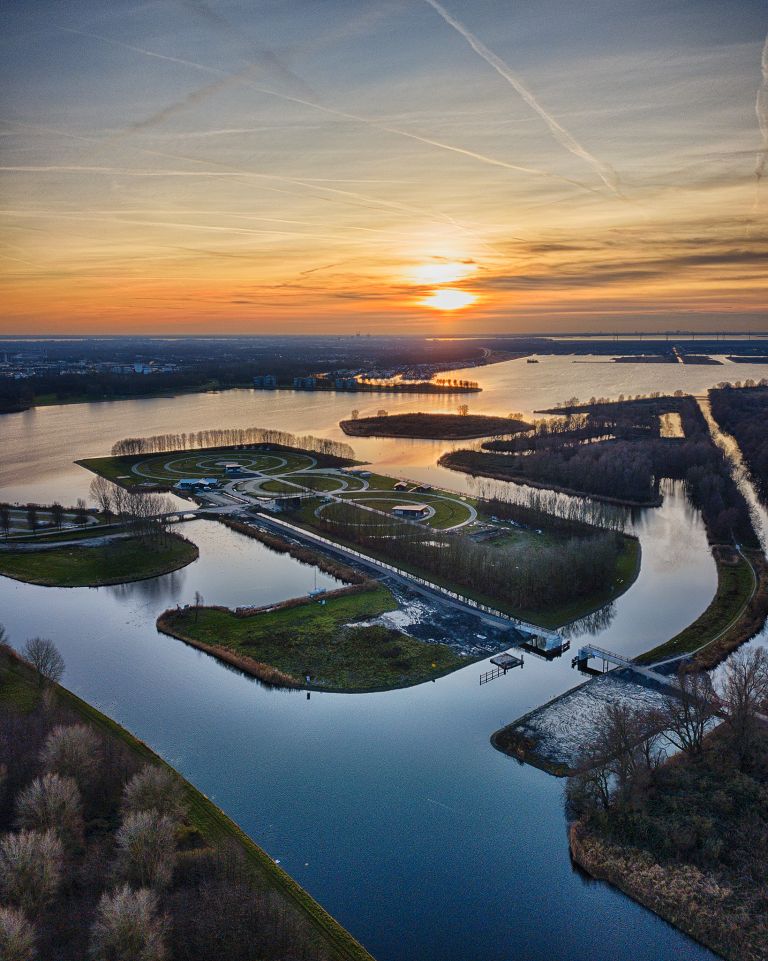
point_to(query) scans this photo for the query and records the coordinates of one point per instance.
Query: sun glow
(448, 298)
(441, 272)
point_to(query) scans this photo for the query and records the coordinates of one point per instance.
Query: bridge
(589, 651)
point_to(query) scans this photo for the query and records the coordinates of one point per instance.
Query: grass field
(19, 692)
(117, 562)
(322, 641)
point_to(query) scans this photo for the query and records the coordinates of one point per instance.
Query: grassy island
(433, 426)
(92, 560)
(218, 888)
(319, 637)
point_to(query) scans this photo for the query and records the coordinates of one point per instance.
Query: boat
(532, 360)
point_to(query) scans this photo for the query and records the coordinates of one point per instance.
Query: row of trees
(743, 413)
(229, 437)
(99, 859)
(528, 579)
(32, 512)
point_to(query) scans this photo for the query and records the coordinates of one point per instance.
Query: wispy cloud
(606, 173)
(761, 109)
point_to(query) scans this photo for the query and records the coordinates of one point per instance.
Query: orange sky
(384, 167)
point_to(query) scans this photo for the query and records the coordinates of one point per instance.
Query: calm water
(392, 809)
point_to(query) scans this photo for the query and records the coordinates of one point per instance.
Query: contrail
(606, 173)
(761, 109)
(344, 115)
(197, 96)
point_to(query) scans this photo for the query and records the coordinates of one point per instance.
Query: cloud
(606, 173)
(761, 109)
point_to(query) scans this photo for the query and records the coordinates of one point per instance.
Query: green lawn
(118, 562)
(322, 641)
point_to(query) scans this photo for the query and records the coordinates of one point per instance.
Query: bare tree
(199, 602)
(686, 716)
(5, 519)
(154, 788)
(102, 491)
(52, 802)
(72, 751)
(44, 656)
(128, 927)
(146, 849)
(30, 869)
(17, 936)
(32, 517)
(81, 512)
(57, 513)
(743, 692)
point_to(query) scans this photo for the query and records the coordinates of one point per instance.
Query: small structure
(412, 511)
(232, 469)
(265, 380)
(196, 483)
(401, 486)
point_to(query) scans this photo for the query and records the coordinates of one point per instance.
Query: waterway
(392, 809)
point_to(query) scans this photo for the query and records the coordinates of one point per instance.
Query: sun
(449, 298)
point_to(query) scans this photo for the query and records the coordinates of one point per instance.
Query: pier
(502, 663)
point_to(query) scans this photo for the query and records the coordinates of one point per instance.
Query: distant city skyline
(384, 166)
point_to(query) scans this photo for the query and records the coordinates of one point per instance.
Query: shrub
(146, 845)
(154, 789)
(30, 869)
(72, 751)
(17, 938)
(52, 802)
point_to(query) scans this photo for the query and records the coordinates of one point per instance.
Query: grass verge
(115, 562)
(735, 614)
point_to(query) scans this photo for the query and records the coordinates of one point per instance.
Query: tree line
(631, 469)
(743, 413)
(100, 858)
(230, 437)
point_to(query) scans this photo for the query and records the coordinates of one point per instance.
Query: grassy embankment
(20, 692)
(284, 644)
(433, 426)
(736, 613)
(116, 562)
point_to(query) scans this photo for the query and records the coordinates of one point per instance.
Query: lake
(392, 809)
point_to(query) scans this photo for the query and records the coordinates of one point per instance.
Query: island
(433, 426)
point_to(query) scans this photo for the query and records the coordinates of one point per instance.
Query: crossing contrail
(331, 111)
(606, 173)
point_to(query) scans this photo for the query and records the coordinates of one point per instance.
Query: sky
(383, 166)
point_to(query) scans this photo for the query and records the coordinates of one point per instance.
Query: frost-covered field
(561, 729)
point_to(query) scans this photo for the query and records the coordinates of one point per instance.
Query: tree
(52, 803)
(30, 869)
(32, 517)
(102, 491)
(381, 413)
(81, 512)
(743, 693)
(17, 937)
(72, 751)
(57, 513)
(154, 788)
(5, 519)
(355, 414)
(44, 656)
(462, 410)
(686, 716)
(146, 849)
(128, 927)
(199, 602)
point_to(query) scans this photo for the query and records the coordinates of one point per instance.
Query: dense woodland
(99, 858)
(743, 413)
(626, 469)
(687, 836)
(521, 576)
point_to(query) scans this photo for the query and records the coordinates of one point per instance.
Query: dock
(502, 663)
